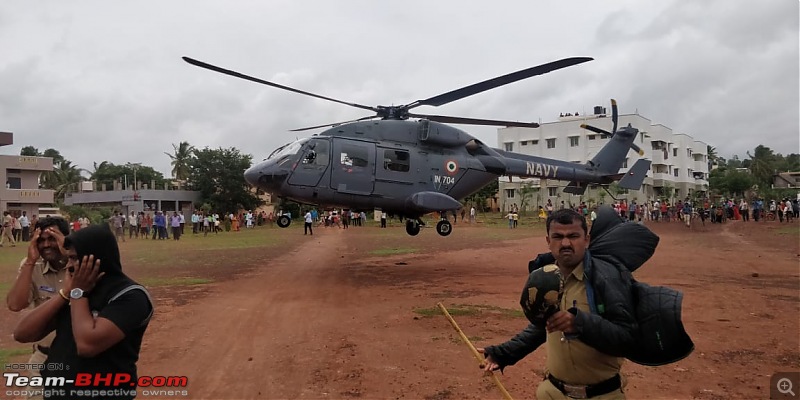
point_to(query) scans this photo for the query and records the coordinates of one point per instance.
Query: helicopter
(411, 167)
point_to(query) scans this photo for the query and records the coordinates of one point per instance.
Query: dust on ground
(351, 314)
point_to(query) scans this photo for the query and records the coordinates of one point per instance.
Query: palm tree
(62, 179)
(180, 161)
(762, 164)
(713, 157)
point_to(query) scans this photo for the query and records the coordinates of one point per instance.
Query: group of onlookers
(16, 227)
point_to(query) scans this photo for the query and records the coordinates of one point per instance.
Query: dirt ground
(351, 314)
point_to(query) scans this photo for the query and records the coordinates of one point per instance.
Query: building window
(675, 153)
(551, 143)
(574, 141)
(14, 183)
(509, 193)
(689, 153)
(591, 137)
(675, 172)
(509, 146)
(625, 163)
(12, 171)
(552, 191)
(395, 160)
(534, 142)
(523, 142)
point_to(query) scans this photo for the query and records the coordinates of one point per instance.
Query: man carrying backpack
(586, 339)
(608, 316)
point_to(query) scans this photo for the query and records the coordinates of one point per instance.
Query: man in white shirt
(309, 220)
(25, 223)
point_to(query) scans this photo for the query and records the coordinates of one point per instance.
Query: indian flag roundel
(451, 166)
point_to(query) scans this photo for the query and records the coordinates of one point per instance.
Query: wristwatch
(76, 293)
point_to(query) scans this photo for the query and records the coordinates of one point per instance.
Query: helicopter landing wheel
(284, 221)
(412, 227)
(444, 228)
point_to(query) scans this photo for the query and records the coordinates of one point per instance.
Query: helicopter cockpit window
(396, 160)
(318, 153)
(354, 156)
(291, 148)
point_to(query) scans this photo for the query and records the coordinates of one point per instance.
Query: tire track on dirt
(220, 341)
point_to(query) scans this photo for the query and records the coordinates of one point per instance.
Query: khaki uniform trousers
(546, 391)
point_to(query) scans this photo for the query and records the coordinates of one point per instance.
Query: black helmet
(542, 294)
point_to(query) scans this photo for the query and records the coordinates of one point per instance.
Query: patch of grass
(174, 281)
(471, 310)
(7, 354)
(791, 230)
(393, 251)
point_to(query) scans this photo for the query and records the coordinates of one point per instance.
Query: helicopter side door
(315, 156)
(353, 166)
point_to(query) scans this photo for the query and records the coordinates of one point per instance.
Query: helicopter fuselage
(378, 164)
(409, 167)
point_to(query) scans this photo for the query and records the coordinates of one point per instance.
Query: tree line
(752, 176)
(218, 174)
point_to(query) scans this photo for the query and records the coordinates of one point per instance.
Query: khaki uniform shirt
(573, 361)
(45, 283)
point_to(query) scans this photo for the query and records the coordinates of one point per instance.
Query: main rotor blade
(596, 130)
(475, 121)
(496, 82)
(614, 114)
(333, 124)
(268, 83)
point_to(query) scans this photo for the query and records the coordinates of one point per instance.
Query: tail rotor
(614, 120)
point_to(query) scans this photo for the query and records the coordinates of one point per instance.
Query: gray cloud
(104, 81)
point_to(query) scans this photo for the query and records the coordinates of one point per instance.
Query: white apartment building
(678, 161)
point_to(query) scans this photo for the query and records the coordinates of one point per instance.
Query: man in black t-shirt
(101, 331)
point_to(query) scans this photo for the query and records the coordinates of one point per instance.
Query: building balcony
(700, 166)
(27, 163)
(663, 176)
(658, 157)
(27, 196)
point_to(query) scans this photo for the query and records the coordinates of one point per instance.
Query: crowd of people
(684, 211)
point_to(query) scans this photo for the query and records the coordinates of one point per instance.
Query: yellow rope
(475, 352)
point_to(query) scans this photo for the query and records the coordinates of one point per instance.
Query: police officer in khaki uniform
(584, 342)
(573, 361)
(41, 276)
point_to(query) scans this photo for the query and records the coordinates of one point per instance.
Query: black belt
(586, 391)
(43, 349)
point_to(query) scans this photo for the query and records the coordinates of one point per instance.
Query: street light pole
(135, 166)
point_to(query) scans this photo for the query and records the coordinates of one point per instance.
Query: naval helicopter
(408, 164)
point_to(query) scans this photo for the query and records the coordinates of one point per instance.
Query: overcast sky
(102, 80)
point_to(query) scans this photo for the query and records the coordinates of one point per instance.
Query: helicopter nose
(266, 175)
(252, 174)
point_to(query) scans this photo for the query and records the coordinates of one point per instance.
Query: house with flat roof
(679, 162)
(21, 175)
(128, 199)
